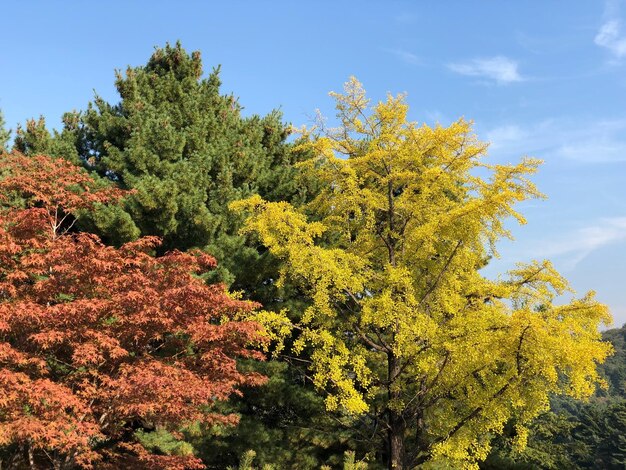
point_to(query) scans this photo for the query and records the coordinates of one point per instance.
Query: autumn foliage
(402, 328)
(98, 342)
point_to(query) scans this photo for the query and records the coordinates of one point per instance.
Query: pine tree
(284, 423)
(186, 151)
(5, 134)
(35, 138)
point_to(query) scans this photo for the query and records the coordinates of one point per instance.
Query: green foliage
(402, 327)
(350, 463)
(612, 449)
(163, 442)
(36, 139)
(283, 422)
(247, 462)
(5, 134)
(574, 434)
(545, 449)
(187, 151)
(614, 369)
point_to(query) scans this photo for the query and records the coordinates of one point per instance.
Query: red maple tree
(98, 342)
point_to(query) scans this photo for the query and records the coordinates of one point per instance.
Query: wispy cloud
(405, 56)
(598, 141)
(499, 69)
(610, 34)
(577, 245)
(503, 136)
(611, 37)
(567, 248)
(437, 116)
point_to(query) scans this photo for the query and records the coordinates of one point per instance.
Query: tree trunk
(31, 456)
(57, 463)
(396, 420)
(421, 445)
(395, 435)
(396, 441)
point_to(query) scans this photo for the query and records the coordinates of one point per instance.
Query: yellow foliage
(400, 313)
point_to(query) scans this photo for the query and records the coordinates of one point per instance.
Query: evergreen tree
(5, 134)
(111, 221)
(186, 151)
(35, 138)
(284, 423)
(614, 369)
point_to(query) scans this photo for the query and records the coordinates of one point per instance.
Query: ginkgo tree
(402, 326)
(102, 345)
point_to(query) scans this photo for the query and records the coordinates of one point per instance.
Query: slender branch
(477, 411)
(518, 354)
(370, 342)
(297, 359)
(448, 393)
(441, 273)
(432, 383)
(529, 278)
(420, 460)
(382, 341)
(390, 212)
(495, 396)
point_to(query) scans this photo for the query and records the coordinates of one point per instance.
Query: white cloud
(502, 136)
(600, 141)
(500, 69)
(405, 56)
(567, 248)
(576, 246)
(611, 37)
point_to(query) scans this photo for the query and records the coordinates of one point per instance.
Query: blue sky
(539, 78)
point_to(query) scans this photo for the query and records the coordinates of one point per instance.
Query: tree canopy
(184, 148)
(101, 345)
(402, 326)
(364, 243)
(574, 434)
